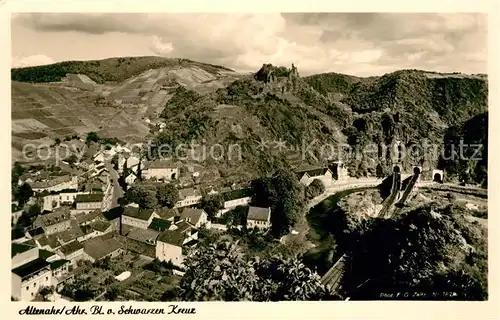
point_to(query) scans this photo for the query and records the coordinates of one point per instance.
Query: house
(55, 200)
(147, 236)
(101, 227)
(160, 169)
(196, 217)
(235, 198)
(159, 224)
(88, 202)
(322, 173)
(72, 251)
(48, 256)
(30, 272)
(84, 218)
(139, 218)
(50, 242)
(75, 233)
(22, 254)
(99, 248)
(60, 272)
(171, 244)
(54, 222)
(188, 197)
(131, 163)
(339, 170)
(130, 178)
(29, 278)
(259, 217)
(55, 184)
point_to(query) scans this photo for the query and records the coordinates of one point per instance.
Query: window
(34, 284)
(46, 278)
(27, 288)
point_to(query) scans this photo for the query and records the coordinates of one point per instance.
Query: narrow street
(117, 189)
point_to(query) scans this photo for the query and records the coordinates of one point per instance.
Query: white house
(235, 198)
(139, 218)
(55, 184)
(321, 173)
(196, 217)
(88, 203)
(29, 272)
(188, 197)
(171, 244)
(259, 217)
(160, 169)
(53, 201)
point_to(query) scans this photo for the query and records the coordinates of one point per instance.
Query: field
(46, 111)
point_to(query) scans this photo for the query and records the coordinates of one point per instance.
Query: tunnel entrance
(438, 177)
(397, 169)
(416, 170)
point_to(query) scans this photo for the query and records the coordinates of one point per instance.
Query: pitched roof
(258, 213)
(18, 248)
(71, 247)
(44, 254)
(192, 215)
(91, 197)
(71, 234)
(60, 215)
(98, 248)
(176, 237)
(167, 213)
(58, 263)
(50, 183)
(143, 235)
(86, 217)
(31, 267)
(236, 194)
(36, 232)
(100, 225)
(313, 171)
(142, 214)
(188, 192)
(50, 240)
(173, 237)
(159, 224)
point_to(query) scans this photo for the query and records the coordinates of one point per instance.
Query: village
(78, 224)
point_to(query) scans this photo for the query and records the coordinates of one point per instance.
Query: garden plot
(25, 125)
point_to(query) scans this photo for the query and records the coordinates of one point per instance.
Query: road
(117, 189)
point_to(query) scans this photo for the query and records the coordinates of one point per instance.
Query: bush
(316, 188)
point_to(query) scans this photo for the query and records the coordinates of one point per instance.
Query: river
(323, 224)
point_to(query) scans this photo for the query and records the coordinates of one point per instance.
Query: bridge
(332, 278)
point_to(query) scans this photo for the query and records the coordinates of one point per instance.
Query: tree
(114, 161)
(72, 159)
(58, 141)
(24, 193)
(112, 293)
(167, 195)
(45, 292)
(426, 251)
(122, 201)
(145, 198)
(285, 195)
(316, 188)
(92, 137)
(211, 204)
(34, 210)
(222, 272)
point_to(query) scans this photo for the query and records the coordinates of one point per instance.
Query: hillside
(101, 71)
(209, 103)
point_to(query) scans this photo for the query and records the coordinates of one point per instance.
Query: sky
(361, 44)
